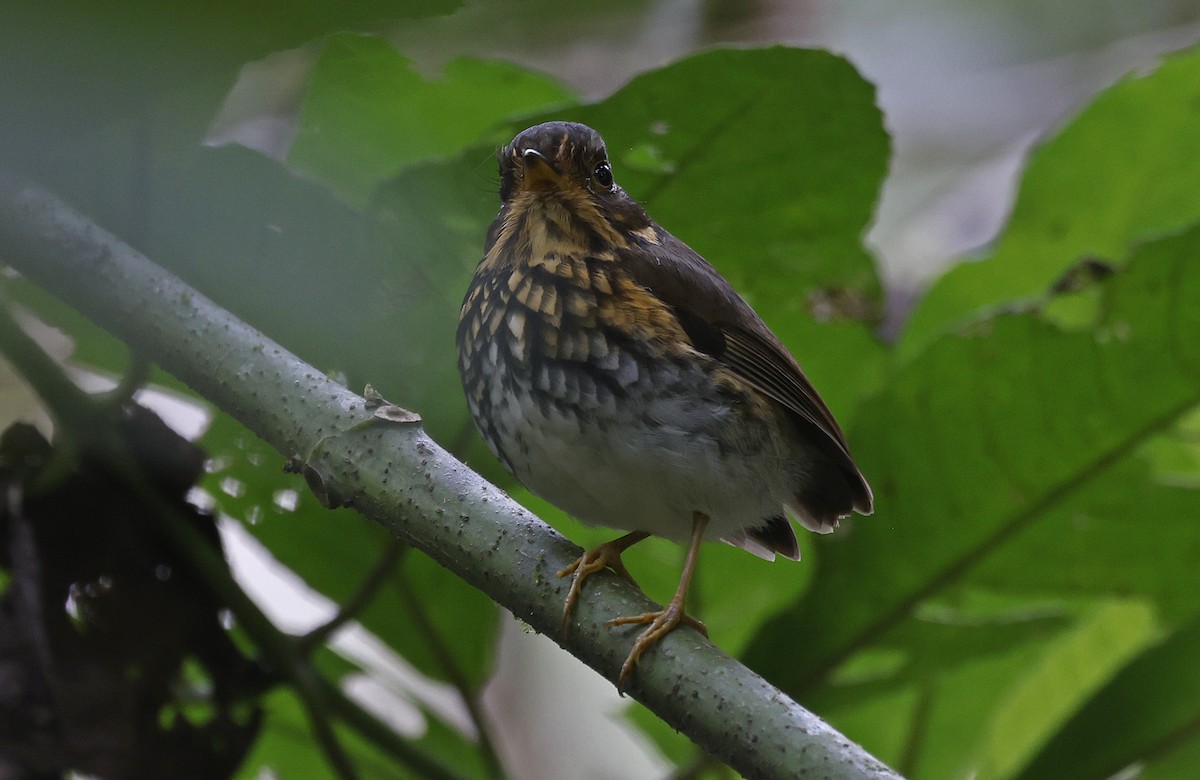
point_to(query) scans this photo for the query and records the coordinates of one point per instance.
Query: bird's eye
(603, 175)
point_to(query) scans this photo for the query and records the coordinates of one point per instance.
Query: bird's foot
(662, 622)
(606, 556)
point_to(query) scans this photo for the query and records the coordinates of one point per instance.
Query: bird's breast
(588, 389)
(548, 323)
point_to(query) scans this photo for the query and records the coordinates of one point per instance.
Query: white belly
(648, 471)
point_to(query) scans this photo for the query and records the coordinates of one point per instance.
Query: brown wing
(722, 324)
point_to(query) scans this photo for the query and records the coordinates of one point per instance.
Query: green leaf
(1174, 761)
(920, 698)
(285, 745)
(368, 112)
(1074, 666)
(773, 175)
(1147, 715)
(942, 637)
(1110, 549)
(946, 716)
(980, 714)
(981, 439)
(1114, 176)
(755, 200)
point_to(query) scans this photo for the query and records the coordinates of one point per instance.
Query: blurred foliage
(103, 616)
(355, 131)
(1113, 177)
(1022, 603)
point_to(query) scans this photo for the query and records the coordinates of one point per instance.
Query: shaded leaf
(73, 66)
(1073, 666)
(940, 638)
(1155, 700)
(367, 111)
(753, 199)
(772, 177)
(1123, 533)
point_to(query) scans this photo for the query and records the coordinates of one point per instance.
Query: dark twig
(452, 670)
(357, 602)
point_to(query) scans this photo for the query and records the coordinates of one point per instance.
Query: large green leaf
(722, 175)
(984, 437)
(1072, 668)
(1117, 174)
(921, 697)
(1124, 532)
(942, 637)
(773, 176)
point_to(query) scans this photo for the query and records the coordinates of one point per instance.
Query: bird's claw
(606, 556)
(662, 622)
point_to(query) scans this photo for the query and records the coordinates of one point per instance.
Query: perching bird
(616, 374)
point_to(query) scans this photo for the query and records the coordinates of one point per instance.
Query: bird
(615, 373)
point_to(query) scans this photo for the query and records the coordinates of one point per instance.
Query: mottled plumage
(619, 376)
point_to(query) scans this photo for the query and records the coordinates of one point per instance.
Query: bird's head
(558, 196)
(564, 157)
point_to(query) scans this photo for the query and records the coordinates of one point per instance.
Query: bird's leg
(607, 555)
(665, 620)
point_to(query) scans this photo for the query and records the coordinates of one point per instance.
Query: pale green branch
(399, 477)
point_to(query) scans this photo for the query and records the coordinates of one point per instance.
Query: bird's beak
(537, 167)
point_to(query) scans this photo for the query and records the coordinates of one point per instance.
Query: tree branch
(399, 477)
